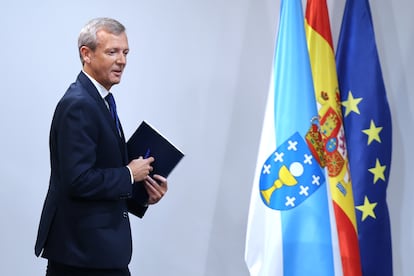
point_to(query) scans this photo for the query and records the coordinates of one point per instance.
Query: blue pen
(147, 154)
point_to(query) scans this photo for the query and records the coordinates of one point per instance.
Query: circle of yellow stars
(373, 134)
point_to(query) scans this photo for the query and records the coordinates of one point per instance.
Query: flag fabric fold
(327, 93)
(368, 129)
(289, 228)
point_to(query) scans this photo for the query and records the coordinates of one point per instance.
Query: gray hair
(87, 36)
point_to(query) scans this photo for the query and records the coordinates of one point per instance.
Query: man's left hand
(156, 187)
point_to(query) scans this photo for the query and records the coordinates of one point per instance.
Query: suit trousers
(57, 269)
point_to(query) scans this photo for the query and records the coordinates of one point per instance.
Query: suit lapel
(93, 92)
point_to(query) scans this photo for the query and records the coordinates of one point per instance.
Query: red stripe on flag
(318, 18)
(348, 240)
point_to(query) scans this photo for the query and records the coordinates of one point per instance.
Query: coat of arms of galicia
(293, 172)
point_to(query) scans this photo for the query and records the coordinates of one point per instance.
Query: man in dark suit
(84, 227)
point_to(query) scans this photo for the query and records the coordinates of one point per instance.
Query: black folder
(146, 141)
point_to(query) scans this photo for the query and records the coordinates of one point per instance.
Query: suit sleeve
(89, 157)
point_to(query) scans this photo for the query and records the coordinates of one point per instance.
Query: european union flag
(367, 122)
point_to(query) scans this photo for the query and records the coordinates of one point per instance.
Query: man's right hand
(140, 168)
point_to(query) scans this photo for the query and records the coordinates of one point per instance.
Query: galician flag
(289, 228)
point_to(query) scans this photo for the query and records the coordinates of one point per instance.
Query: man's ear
(86, 54)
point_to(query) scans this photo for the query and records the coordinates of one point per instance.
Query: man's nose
(121, 59)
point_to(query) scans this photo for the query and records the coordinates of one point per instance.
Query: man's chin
(116, 80)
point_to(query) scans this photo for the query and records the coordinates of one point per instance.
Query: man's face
(108, 61)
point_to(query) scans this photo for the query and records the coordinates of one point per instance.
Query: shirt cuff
(130, 173)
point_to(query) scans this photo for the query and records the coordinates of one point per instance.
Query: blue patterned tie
(112, 108)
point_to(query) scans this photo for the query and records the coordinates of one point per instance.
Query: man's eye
(111, 52)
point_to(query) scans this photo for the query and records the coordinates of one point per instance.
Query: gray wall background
(199, 71)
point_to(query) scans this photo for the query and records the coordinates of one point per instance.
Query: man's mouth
(117, 72)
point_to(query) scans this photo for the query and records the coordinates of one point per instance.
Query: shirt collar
(102, 90)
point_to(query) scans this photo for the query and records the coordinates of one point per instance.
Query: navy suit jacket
(85, 220)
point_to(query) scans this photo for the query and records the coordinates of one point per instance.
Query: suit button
(125, 214)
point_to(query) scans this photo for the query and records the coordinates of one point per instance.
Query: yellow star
(351, 104)
(373, 132)
(378, 171)
(367, 209)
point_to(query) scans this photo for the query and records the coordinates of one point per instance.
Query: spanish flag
(327, 94)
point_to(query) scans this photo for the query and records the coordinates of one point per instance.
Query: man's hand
(156, 188)
(140, 168)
